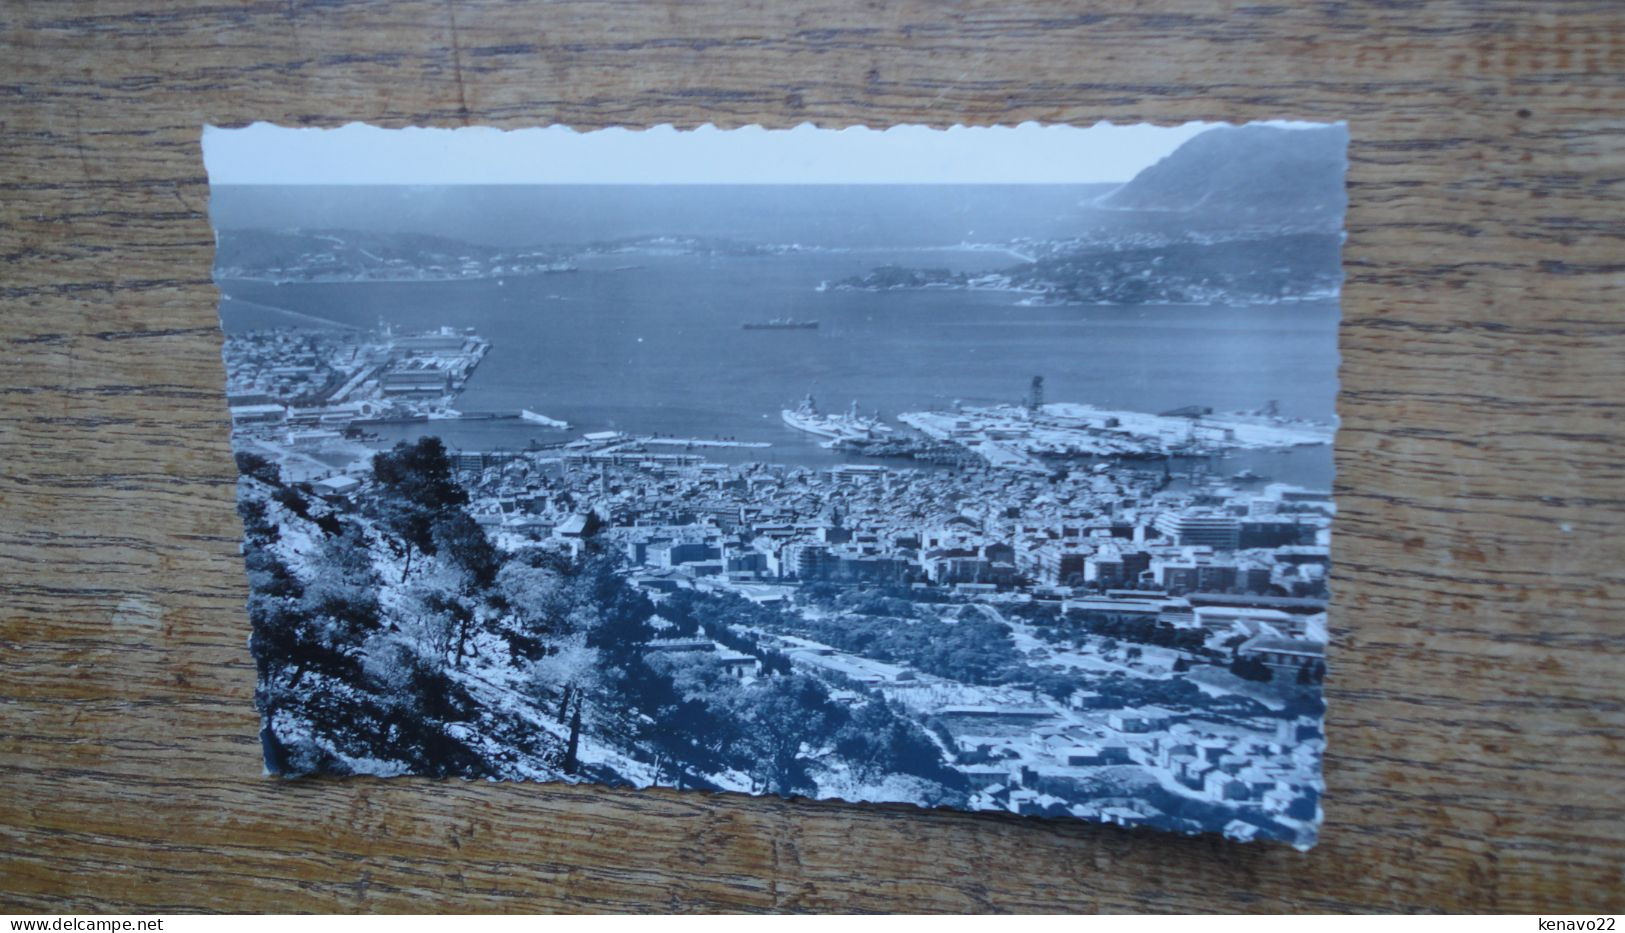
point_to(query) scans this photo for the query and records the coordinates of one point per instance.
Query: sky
(358, 154)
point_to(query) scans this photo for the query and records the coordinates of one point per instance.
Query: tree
(568, 666)
(538, 598)
(462, 541)
(462, 618)
(418, 700)
(533, 603)
(257, 467)
(267, 574)
(782, 715)
(319, 625)
(419, 472)
(346, 558)
(416, 488)
(877, 741)
(618, 616)
(291, 500)
(690, 734)
(321, 632)
(257, 527)
(570, 759)
(432, 612)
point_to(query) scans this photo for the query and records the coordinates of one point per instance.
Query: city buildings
(1149, 615)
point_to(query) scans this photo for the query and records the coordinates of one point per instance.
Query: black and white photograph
(980, 468)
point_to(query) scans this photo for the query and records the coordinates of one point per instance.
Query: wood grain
(1477, 711)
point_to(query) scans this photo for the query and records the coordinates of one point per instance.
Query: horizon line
(671, 184)
(360, 154)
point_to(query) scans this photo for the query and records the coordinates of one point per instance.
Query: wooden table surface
(1476, 712)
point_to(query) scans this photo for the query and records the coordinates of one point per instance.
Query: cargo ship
(781, 323)
(848, 427)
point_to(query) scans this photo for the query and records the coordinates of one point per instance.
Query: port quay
(1049, 507)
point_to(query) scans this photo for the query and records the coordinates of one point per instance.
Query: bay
(652, 342)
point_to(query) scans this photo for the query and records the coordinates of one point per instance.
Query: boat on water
(848, 427)
(781, 323)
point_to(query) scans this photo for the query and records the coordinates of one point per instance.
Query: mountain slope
(1253, 171)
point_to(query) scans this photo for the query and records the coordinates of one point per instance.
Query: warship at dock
(848, 427)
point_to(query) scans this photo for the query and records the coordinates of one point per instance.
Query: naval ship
(781, 323)
(848, 427)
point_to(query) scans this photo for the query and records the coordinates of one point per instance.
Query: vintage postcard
(983, 468)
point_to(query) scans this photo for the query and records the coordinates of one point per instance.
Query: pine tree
(570, 761)
(416, 491)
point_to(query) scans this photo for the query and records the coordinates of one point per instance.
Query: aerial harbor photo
(980, 492)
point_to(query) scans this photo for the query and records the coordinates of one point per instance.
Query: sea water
(652, 341)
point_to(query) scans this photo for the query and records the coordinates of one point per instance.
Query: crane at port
(1035, 395)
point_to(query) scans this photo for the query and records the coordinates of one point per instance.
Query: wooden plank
(1476, 704)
